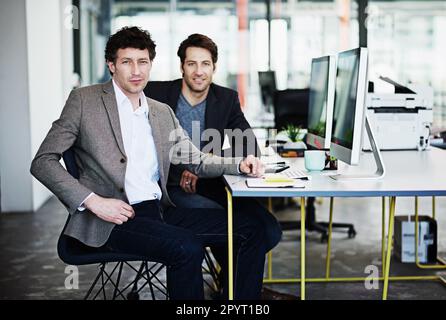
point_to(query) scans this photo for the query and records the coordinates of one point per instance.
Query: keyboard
(295, 174)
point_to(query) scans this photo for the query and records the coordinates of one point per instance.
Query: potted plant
(294, 134)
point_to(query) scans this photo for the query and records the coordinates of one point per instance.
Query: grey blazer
(89, 123)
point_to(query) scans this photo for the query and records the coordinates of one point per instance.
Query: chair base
(312, 225)
(108, 282)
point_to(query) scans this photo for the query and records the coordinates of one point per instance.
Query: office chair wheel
(133, 295)
(351, 233)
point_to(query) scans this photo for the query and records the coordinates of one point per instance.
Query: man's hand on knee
(188, 182)
(111, 210)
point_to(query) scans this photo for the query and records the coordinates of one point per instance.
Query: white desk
(408, 173)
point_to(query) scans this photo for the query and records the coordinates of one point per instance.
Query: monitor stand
(380, 169)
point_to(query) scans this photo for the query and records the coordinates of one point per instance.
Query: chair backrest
(291, 107)
(70, 250)
(74, 252)
(70, 163)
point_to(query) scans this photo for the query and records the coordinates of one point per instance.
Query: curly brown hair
(129, 37)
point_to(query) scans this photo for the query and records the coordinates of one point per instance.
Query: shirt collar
(121, 98)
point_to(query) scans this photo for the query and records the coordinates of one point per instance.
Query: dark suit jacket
(222, 112)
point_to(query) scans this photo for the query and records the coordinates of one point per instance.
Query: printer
(401, 120)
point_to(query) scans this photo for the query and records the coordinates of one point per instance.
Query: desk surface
(408, 173)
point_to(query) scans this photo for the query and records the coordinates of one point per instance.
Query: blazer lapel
(157, 139)
(174, 94)
(212, 117)
(111, 106)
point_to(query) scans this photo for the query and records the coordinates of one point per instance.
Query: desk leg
(270, 253)
(230, 248)
(383, 235)
(433, 207)
(389, 246)
(302, 248)
(330, 229)
(442, 264)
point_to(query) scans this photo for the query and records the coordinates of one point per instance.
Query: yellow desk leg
(230, 248)
(330, 227)
(389, 246)
(302, 248)
(442, 264)
(270, 253)
(433, 207)
(383, 235)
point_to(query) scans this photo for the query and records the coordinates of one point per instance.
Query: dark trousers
(177, 238)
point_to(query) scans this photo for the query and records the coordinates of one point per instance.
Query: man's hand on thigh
(188, 182)
(110, 210)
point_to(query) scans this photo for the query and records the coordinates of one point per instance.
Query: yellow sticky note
(278, 179)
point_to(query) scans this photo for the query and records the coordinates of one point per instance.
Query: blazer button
(121, 190)
(122, 160)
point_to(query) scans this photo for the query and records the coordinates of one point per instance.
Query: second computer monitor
(320, 108)
(349, 105)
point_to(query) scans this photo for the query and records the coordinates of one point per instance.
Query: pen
(275, 163)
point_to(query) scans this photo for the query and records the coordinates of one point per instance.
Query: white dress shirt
(142, 172)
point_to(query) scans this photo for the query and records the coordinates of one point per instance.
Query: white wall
(15, 144)
(44, 75)
(36, 66)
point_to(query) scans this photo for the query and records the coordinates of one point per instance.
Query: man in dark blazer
(196, 99)
(124, 144)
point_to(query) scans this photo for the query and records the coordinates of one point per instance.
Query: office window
(168, 29)
(406, 43)
(300, 30)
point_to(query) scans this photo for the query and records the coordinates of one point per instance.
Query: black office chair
(267, 83)
(291, 107)
(74, 252)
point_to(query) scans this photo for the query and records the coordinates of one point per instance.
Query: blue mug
(314, 160)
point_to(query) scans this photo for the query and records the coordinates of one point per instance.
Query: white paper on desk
(261, 183)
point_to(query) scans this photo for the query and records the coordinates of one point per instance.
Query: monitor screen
(345, 99)
(321, 102)
(349, 105)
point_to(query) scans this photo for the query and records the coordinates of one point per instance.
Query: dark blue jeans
(183, 199)
(177, 238)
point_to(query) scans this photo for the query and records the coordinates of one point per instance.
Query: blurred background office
(50, 46)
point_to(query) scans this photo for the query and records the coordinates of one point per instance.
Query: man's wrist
(83, 206)
(89, 201)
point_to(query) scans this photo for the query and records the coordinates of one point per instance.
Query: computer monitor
(349, 116)
(349, 105)
(320, 109)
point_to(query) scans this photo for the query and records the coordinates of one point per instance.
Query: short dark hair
(129, 37)
(200, 41)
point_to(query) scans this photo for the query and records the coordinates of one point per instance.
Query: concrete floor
(31, 268)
